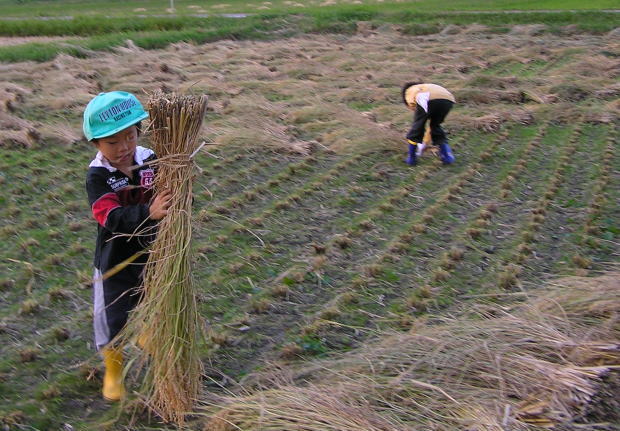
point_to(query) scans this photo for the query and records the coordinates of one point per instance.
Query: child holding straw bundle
(119, 186)
(170, 357)
(429, 102)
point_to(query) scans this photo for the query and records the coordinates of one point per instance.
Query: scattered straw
(538, 364)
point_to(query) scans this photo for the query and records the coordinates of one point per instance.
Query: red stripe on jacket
(104, 205)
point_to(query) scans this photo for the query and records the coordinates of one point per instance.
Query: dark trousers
(437, 111)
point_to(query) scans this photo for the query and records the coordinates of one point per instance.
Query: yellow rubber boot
(113, 389)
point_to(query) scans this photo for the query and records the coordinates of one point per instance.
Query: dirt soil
(9, 41)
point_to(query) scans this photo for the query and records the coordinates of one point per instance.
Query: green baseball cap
(109, 113)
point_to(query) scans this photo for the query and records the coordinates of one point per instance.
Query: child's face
(119, 148)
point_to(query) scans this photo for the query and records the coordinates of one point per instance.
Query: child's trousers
(437, 111)
(114, 298)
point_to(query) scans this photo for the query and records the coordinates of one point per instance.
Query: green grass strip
(42, 8)
(155, 33)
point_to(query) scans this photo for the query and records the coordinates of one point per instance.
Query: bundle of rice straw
(166, 322)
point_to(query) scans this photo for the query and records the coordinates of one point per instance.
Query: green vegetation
(334, 20)
(107, 26)
(153, 32)
(29, 8)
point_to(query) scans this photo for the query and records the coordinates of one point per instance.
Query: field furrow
(357, 192)
(428, 251)
(489, 245)
(427, 289)
(591, 245)
(555, 244)
(314, 284)
(241, 191)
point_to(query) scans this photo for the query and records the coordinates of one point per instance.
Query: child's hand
(159, 206)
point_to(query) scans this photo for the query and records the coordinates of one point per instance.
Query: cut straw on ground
(539, 364)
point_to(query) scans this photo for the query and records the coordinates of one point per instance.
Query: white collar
(140, 155)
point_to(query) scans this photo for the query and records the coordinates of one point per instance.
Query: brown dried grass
(535, 364)
(20, 138)
(322, 411)
(16, 131)
(262, 89)
(11, 95)
(63, 133)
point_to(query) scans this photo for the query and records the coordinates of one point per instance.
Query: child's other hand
(159, 206)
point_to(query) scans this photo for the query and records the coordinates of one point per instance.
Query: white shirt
(422, 99)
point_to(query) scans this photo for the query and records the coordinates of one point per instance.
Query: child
(119, 187)
(429, 102)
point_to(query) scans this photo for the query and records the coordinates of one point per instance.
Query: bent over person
(119, 186)
(430, 102)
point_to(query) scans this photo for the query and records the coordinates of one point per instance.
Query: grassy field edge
(156, 33)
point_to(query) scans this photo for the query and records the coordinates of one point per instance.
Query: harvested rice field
(340, 289)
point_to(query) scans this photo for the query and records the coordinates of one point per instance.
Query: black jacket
(121, 206)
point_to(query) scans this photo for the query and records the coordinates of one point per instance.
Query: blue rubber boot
(445, 152)
(412, 159)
